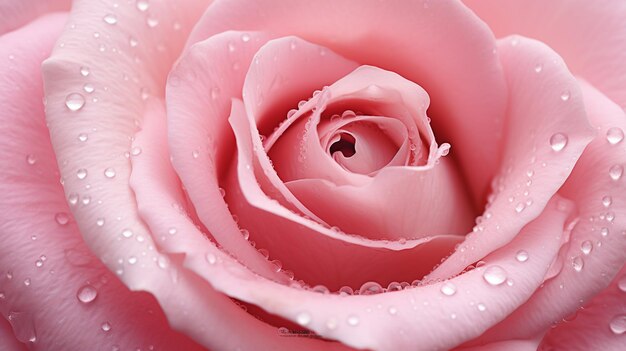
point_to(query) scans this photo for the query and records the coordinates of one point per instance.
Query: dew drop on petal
(84, 71)
(494, 275)
(448, 289)
(565, 95)
(100, 222)
(353, 321)
(607, 201)
(245, 37)
(88, 88)
(62, 218)
(604, 231)
(86, 294)
(152, 22)
(143, 5)
(578, 263)
(586, 247)
(303, 318)
(538, 68)
(110, 18)
(521, 256)
(31, 159)
(616, 171)
(106, 326)
(618, 324)
(74, 101)
(127, 233)
(211, 258)
(558, 141)
(621, 284)
(135, 151)
(109, 172)
(81, 173)
(370, 288)
(614, 135)
(392, 310)
(481, 307)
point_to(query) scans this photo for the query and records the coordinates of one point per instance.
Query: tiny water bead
(370, 288)
(245, 37)
(109, 172)
(448, 289)
(604, 231)
(565, 95)
(84, 71)
(81, 173)
(558, 141)
(494, 275)
(353, 321)
(392, 310)
(607, 201)
(127, 233)
(211, 258)
(106, 326)
(83, 137)
(586, 247)
(538, 68)
(616, 171)
(87, 294)
(100, 222)
(62, 218)
(481, 307)
(31, 159)
(74, 101)
(521, 256)
(614, 135)
(618, 324)
(578, 263)
(143, 5)
(303, 318)
(88, 88)
(110, 18)
(152, 22)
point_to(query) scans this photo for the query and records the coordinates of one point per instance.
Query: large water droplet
(448, 289)
(616, 172)
(558, 141)
(614, 135)
(521, 256)
(74, 101)
(81, 173)
(143, 5)
(87, 294)
(303, 318)
(370, 288)
(62, 218)
(109, 172)
(618, 324)
(494, 275)
(110, 18)
(586, 247)
(578, 263)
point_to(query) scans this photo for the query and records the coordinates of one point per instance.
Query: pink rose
(264, 175)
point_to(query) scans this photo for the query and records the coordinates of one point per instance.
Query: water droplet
(370, 288)
(303, 318)
(538, 68)
(211, 258)
(606, 201)
(62, 218)
(27, 281)
(245, 37)
(621, 284)
(135, 151)
(142, 5)
(163, 262)
(558, 141)
(394, 286)
(88, 88)
(494, 275)
(106, 326)
(604, 231)
(222, 192)
(586, 247)
(31, 159)
(110, 18)
(448, 289)
(84, 71)
(74, 101)
(392, 310)
(481, 307)
(109, 172)
(133, 42)
(346, 291)
(521, 256)
(578, 263)
(618, 324)
(72, 198)
(132, 260)
(614, 135)
(616, 172)
(245, 233)
(127, 233)
(195, 154)
(353, 321)
(565, 95)
(39, 263)
(215, 93)
(81, 173)
(152, 22)
(519, 207)
(87, 294)
(100, 222)
(331, 323)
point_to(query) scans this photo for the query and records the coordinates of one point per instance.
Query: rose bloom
(312, 175)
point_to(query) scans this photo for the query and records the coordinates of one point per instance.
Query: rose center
(346, 145)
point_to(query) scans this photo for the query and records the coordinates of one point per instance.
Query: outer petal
(599, 325)
(590, 36)
(596, 246)
(45, 267)
(547, 130)
(8, 342)
(420, 41)
(17, 13)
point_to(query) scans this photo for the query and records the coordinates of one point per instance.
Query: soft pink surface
(15, 14)
(43, 257)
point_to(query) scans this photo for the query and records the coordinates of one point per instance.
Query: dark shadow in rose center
(346, 145)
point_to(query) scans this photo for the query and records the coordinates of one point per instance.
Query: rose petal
(547, 130)
(354, 260)
(15, 14)
(422, 43)
(45, 265)
(509, 345)
(590, 36)
(8, 342)
(600, 325)
(587, 186)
